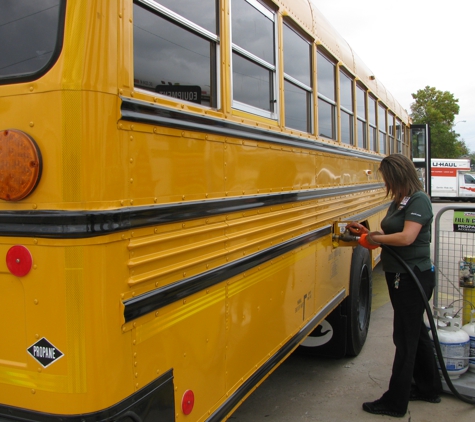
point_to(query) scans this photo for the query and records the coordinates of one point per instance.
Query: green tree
(438, 109)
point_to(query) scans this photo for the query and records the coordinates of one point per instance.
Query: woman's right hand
(356, 228)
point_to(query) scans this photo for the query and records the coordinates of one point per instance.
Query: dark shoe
(416, 395)
(378, 407)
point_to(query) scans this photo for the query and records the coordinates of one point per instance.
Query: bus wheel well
(344, 331)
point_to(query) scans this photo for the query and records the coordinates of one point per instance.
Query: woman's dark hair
(400, 176)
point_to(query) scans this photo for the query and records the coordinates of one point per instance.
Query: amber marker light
(20, 165)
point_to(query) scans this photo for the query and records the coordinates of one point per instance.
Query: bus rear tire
(358, 303)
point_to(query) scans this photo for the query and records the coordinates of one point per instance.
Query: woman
(407, 229)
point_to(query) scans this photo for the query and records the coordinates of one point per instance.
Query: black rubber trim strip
(157, 396)
(142, 112)
(84, 224)
(158, 298)
(274, 360)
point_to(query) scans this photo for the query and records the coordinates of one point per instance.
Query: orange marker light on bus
(19, 260)
(20, 165)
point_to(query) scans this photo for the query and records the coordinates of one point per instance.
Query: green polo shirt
(417, 208)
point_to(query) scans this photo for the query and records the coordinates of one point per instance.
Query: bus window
(253, 58)
(346, 108)
(399, 131)
(298, 81)
(372, 123)
(392, 145)
(383, 148)
(173, 56)
(326, 97)
(200, 12)
(37, 29)
(361, 115)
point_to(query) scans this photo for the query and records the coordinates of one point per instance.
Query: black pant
(414, 359)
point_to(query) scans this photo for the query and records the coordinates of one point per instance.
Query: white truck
(451, 179)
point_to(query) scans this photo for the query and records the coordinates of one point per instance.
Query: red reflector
(19, 260)
(187, 402)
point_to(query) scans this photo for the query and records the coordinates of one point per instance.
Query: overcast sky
(410, 44)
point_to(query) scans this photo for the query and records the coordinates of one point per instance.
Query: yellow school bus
(174, 177)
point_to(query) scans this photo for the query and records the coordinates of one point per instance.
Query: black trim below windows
(83, 224)
(158, 298)
(142, 112)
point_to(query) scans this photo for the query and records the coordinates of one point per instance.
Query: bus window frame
(333, 103)
(382, 129)
(32, 76)
(344, 111)
(288, 78)
(273, 69)
(196, 30)
(363, 119)
(373, 139)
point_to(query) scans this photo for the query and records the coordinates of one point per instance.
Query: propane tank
(470, 330)
(454, 344)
